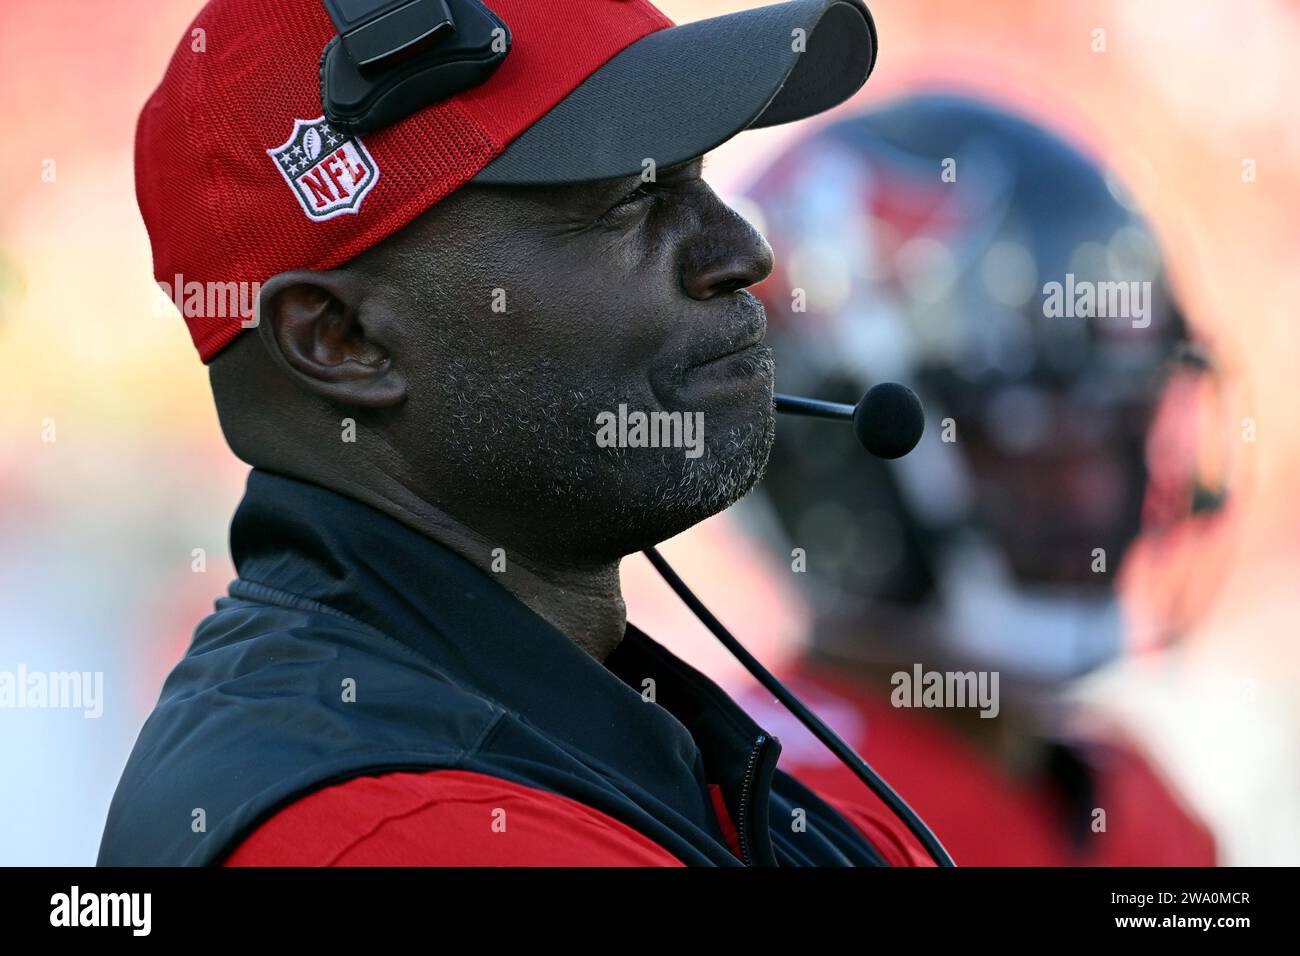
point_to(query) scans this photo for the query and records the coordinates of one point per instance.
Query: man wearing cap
(475, 228)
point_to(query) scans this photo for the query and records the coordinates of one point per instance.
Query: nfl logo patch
(329, 171)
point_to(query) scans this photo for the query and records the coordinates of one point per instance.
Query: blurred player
(949, 245)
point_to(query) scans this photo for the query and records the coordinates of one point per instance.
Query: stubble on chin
(529, 441)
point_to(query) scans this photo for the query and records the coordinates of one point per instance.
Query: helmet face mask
(1049, 493)
(1000, 536)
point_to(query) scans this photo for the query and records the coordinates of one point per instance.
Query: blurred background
(116, 486)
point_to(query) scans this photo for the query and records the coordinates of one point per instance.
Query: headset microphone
(888, 420)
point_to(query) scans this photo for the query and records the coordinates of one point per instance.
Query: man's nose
(725, 255)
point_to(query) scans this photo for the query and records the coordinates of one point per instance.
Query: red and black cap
(285, 135)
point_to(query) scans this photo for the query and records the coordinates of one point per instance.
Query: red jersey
(982, 814)
(450, 817)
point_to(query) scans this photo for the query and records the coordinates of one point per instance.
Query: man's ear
(325, 334)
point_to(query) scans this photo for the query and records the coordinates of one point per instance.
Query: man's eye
(641, 193)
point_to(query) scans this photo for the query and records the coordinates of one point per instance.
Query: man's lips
(740, 350)
(750, 331)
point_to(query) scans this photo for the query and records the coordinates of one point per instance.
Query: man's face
(527, 316)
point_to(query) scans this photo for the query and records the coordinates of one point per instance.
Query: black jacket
(450, 672)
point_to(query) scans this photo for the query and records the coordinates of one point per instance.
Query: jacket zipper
(745, 793)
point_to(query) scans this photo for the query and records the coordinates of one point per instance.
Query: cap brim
(681, 91)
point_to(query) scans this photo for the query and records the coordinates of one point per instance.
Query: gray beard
(530, 441)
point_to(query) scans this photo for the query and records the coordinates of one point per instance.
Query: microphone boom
(812, 407)
(888, 421)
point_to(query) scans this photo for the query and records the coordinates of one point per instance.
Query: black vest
(352, 645)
